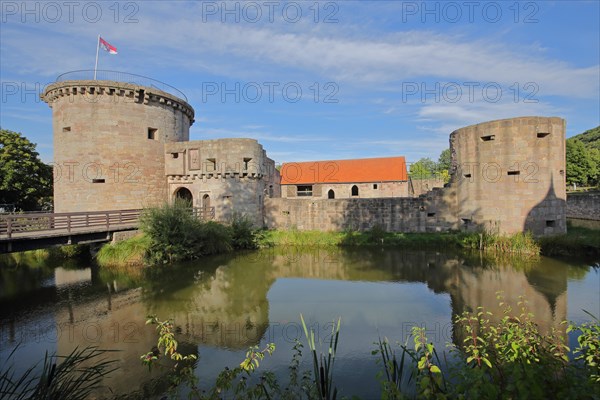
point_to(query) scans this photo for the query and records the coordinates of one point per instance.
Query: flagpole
(97, 48)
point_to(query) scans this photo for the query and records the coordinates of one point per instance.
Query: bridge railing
(35, 223)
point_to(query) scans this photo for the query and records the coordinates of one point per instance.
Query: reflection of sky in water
(376, 293)
(367, 310)
(584, 294)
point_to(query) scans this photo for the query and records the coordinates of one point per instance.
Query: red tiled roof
(344, 171)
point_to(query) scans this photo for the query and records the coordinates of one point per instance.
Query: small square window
(374, 186)
(67, 129)
(550, 223)
(175, 155)
(152, 133)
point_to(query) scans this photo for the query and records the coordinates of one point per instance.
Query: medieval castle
(126, 146)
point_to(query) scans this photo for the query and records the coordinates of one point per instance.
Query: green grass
(523, 244)
(295, 237)
(124, 253)
(577, 241)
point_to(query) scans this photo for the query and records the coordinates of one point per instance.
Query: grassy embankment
(135, 250)
(578, 241)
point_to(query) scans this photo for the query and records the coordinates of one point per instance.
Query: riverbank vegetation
(45, 257)
(493, 357)
(171, 234)
(521, 244)
(578, 241)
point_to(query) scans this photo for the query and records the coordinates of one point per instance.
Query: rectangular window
(466, 221)
(374, 186)
(542, 134)
(431, 215)
(304, 190)
(175, 155)
(514, 172)
(98, 180)
(246, 161)
(488, 138)
(550, 223)
(67, 129)
(152, 133)
(467, 175)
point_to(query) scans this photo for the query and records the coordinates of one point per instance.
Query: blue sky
(377, 78)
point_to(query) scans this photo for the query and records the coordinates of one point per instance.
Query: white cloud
(251, 51)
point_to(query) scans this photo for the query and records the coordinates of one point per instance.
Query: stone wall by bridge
(583, 206)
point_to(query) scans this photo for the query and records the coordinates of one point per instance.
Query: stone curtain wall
(432, 213)
(584, 206)
(421, 186)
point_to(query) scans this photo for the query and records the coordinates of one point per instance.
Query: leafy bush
(508, 359)
(174, 234)
(243, 232)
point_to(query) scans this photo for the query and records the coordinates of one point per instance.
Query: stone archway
(184, 194)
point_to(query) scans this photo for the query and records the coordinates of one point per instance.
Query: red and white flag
(108, 47)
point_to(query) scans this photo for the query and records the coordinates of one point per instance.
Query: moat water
(223, 305)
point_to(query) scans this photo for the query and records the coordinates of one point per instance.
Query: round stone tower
(510, 175)
(109, 141)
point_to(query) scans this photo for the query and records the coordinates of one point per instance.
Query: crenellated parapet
(94, 90)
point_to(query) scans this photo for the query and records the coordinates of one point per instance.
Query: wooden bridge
(20, 232)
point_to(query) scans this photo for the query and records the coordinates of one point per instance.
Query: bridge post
(9, 226)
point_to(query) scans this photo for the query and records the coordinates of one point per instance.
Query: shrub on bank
(171, 233)
(175, 234)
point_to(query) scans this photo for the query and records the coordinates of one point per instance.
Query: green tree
(444, 161)
(25, 180)
(594, 176)
(580, 164)
(422, 169)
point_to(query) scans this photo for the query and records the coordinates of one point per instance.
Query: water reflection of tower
(543, 286)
